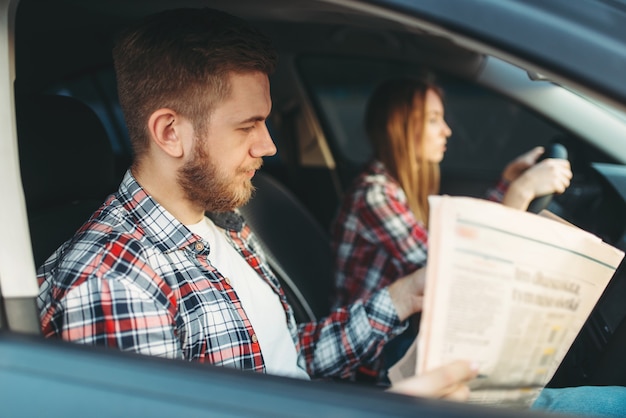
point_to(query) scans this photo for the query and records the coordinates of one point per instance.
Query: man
(166, 266)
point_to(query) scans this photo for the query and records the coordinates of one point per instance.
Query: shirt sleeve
(120, 303)
(496, 193)
(349, 337)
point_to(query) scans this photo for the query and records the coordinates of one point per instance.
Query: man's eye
(247, 128)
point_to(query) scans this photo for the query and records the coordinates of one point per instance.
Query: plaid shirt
(135, 278)
(376, 238)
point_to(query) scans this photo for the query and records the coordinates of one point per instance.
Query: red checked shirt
(135, 278)
(376, 238)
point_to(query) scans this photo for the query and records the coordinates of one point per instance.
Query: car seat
(67, 167)
(297, 246)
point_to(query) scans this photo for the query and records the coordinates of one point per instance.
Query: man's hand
(446, 382)
(407, 293)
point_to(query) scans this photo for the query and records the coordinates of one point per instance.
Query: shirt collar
(232, 221)
(377, 167)
(160, 226)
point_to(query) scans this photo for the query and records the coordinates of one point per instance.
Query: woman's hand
(516, 167)
(546, 177)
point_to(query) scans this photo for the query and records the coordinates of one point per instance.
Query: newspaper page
(507, 289)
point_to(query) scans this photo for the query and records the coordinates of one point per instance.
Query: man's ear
(167, 130)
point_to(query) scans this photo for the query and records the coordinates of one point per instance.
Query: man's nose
(263, 145)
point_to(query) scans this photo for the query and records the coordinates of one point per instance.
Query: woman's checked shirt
(376, 238)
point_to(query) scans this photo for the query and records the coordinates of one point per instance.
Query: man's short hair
(180, 59)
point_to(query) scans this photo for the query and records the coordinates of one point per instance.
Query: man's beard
(211, 189)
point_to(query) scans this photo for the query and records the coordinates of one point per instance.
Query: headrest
(65, 153)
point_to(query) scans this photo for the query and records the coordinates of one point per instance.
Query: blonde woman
(380, 232)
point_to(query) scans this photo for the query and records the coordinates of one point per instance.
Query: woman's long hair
(394, 118)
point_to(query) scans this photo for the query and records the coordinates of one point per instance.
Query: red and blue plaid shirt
(376, 238)
(135, 278)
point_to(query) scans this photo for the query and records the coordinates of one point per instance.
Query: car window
(488, 129)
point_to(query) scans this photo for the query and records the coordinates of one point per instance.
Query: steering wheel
(554, 150)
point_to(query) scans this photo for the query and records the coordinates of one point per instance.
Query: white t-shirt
(261, 304)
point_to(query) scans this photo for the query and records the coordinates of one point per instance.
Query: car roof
(577, 43)
(580, 42)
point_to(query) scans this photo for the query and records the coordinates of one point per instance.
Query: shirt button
(254, 338)
(199, 246)
(227, 280)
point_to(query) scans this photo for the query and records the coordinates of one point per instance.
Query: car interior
(75, 153)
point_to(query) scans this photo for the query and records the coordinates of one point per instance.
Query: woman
(380, 233)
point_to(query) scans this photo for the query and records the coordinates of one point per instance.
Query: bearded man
(167, 266)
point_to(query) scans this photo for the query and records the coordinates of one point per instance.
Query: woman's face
(436, 131)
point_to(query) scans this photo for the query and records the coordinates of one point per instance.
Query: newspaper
(507, 289)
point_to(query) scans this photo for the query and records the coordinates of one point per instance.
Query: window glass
(488, 130)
